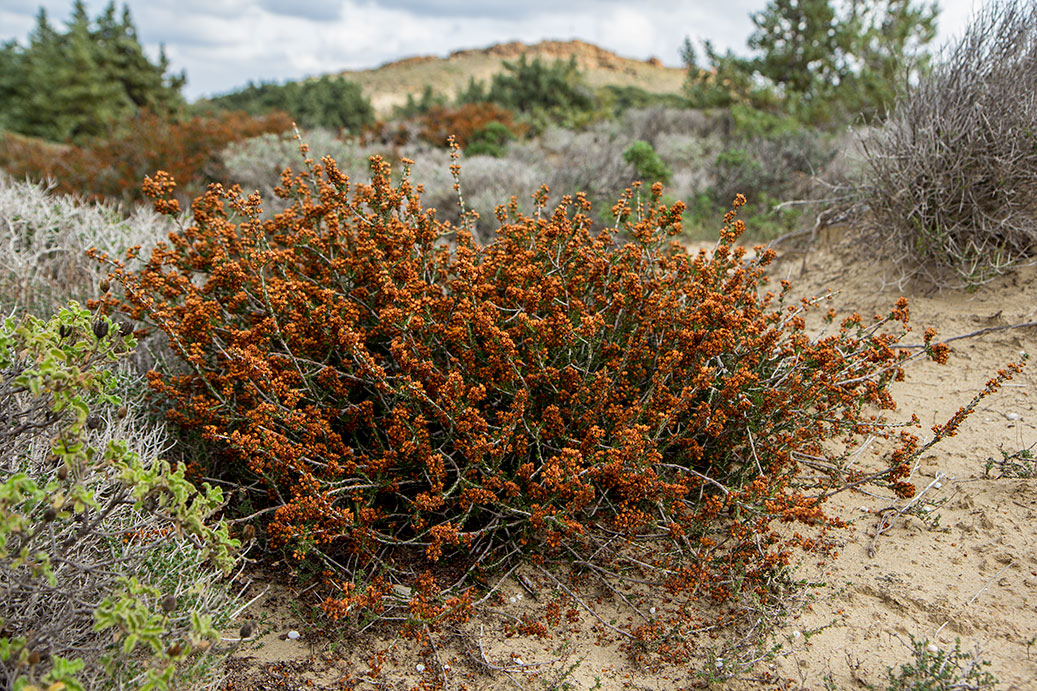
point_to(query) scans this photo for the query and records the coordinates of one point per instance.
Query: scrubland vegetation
(467, 339)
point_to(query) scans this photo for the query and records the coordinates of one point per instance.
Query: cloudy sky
(222, 44)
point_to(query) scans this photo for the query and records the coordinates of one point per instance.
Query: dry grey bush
(431, 170)
(589, 161)
(692, 158)
(846, 168)
(43, 261)
(650, 124)
(567, 161)
(256, 163)
(487, 182)
(952, 177)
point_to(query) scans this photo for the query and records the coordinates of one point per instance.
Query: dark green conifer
(73, 85)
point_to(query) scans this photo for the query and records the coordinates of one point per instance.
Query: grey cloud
(30, 7)
(188, 12)
(319, 10)
(491, 9)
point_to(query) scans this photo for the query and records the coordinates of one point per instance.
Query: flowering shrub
(111, 167)
(421, 415)
(441, 123)
(111, 569)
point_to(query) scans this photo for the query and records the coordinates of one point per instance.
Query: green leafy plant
(490, 140)
(935, 669)
(1014, 464)
(110, 567)
(650, 168)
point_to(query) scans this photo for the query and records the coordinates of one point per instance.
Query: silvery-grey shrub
(43, 241)
(256, 164)
(952, 175)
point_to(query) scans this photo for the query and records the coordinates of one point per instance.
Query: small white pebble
(446, 668)
(795, 634)
(937, 485)
(1012, 416)
(932, 648)
(651, 610)
(518, 661)
(420, 667)
(512, 599)
(720, 663)
(864, 509)
(293, 635)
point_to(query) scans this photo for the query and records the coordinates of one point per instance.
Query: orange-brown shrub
(23, 156)
(424, 415)
(442, 122)
(112, 167)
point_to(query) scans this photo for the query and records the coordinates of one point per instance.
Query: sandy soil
(963, 567)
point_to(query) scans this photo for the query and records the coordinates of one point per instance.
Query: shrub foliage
(110, 564)
(328, 102)
(646, 162)
(112, 166)
(462, 123)
(528, 87)
(421, 414)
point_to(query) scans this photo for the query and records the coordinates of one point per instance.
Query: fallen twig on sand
(980, 332)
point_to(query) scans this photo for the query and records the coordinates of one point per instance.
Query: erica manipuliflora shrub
(425, 414)
(464, 123)
(111, 166)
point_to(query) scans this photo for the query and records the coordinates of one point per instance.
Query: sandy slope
(972, 575)
(389, 85)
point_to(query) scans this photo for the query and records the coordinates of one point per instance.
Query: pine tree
(330, 102)
(80, 100)
(13, 86)
(72, 85)
(824, 62)
(802, 45)
(122, 59)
